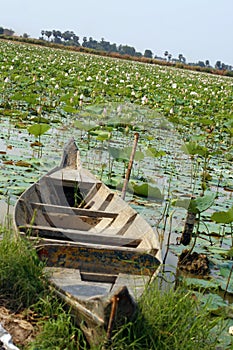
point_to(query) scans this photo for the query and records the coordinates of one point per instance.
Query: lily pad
(202, 283)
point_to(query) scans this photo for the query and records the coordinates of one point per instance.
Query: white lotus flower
(144, 100)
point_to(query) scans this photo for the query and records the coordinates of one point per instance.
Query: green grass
(23, 288)
(167, 319)
(170, 319)
(57, 328)
(21, 282)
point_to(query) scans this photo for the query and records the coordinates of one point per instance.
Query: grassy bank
(167, 319)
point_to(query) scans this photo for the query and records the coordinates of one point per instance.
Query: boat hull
(99, 252)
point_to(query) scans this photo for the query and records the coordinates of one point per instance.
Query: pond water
(161, 164)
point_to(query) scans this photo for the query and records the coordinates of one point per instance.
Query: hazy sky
(198, 29)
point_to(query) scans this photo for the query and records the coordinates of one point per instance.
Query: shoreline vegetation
(41, 105)
(152, 61)
(173, 318)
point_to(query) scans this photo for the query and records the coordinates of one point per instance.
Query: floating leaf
(36, 144)
(100, 135)
(20, 125)
(23, 164)
(40, 119)
(70, 109)
(94, 109)
(218, 250)
(82, 126)
(8, 162)
(212, 301)
(153, 152)
(202, 283)
(225, 284)
(103, 135)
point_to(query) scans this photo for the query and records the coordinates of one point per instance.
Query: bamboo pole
(130, 165)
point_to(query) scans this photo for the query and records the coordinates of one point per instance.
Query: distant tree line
(218, 65)
(5, 31)
(10, 32)
(69, 38)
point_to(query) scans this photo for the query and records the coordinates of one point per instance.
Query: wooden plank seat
(81, 284)
(98, 259)
(104, 237)
(71, 210)
(69, 175)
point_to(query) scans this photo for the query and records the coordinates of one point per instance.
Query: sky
(197, 29)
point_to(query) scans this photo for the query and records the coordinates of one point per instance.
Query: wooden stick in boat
(130, 165)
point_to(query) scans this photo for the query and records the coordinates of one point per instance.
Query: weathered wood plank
(92, 192)
(69, 175)
(99, 260)
(98, 277)
(136, 284)
(71, 210)
(81, 236)
(71, 281)
(72, 222)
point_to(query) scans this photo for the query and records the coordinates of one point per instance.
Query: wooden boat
(100, 252)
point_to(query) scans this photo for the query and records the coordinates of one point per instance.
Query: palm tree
(76, 40)
(180, 57)
(48, 33)
(218, 65)
(84, 44)
(67, 35)
(57, 36)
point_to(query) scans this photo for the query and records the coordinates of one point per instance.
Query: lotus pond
(184, 155)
